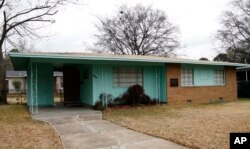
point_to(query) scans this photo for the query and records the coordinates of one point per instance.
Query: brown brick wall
(180, 95)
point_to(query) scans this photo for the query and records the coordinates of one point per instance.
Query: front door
(71, 85)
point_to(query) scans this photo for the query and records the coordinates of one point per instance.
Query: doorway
(71, 85)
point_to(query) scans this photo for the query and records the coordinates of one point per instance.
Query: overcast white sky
(198, 21)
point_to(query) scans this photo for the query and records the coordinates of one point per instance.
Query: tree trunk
(3, 99)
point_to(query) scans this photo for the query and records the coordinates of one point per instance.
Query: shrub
(17, 85)
(136, 95)
(121, 100)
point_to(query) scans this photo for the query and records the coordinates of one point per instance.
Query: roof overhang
(20, 61)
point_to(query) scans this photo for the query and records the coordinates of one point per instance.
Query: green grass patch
(244, 99)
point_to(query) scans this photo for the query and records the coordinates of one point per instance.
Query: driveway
(84, 128)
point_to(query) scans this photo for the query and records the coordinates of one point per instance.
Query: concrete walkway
(84, 128)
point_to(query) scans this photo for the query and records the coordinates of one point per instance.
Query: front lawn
(18, 130)
(196, 126)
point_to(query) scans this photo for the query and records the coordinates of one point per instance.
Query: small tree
(137, 30)
(223, 57)
(204, 59)
(234, 34)
(17, 85)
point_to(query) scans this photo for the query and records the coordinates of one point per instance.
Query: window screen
(219, 77)
(125, 77)
(187, 77)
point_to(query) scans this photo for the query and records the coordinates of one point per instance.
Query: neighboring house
(21, 76)
(87, 76)
(16, 76)
(58, 83)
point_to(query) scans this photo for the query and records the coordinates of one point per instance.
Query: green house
(87, 76)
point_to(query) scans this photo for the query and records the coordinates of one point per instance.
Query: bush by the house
(135, 95)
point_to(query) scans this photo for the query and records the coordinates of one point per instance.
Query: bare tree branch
(17, 20)
(138, 30)
(235, 33)
(2, 3)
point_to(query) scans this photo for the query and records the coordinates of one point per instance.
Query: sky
(198, 21)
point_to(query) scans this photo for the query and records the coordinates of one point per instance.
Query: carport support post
(159, 85)
(36, 112)
(156, 86)
(102, 89)
(31, 88)
(246, 76)
(106, 78)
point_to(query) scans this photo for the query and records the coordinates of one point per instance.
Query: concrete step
(73, 103)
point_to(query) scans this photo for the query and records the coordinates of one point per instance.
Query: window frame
(216, 78)
(182, 78)
(139, 72)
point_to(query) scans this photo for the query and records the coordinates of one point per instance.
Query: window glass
(125, 77)
(187, 77)
(219, 77)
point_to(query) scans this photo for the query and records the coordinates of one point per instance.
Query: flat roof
(15, 74)
(125, 58)
(23, 74)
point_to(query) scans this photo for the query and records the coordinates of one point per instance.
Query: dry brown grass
(18, 130)
(196, 126)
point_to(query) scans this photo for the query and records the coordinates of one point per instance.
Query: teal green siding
(42, 76)
(103, 82)
(86, 93)
(45, 85)
(203, 75)
(153, 81)
(95, 79)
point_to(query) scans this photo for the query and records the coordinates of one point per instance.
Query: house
(16, 76)
(58, 82)
(87, 76)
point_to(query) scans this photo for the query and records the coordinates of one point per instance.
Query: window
(125, 77)
(187, 77)
(219, 77)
